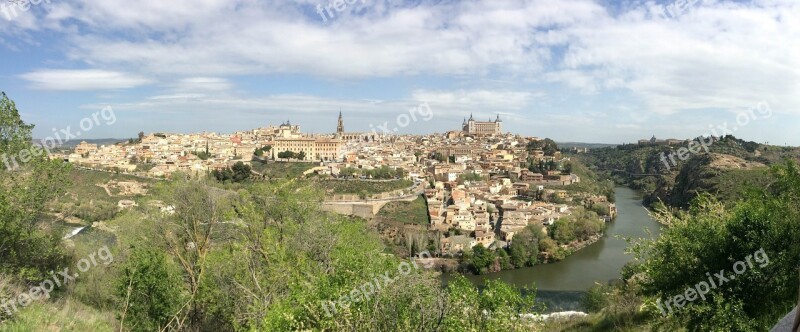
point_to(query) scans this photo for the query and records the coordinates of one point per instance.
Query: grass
(86, 201)
(62, 315)
(600, 322)
(278, 169)
(729, 185)
(414, 212)
(362, 187)
(84, 184)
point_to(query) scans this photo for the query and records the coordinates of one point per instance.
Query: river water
(561, 285)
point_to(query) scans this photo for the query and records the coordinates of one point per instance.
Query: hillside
(724, 176)
(730, 166)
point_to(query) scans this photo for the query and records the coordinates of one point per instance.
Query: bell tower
(340, 124)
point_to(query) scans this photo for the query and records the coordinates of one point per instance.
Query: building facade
(472, 127)
(354, 136)
(288, 138)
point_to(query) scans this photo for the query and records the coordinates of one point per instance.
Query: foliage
(260, 151)
(548, 146)
(26, 251)
(601, 209)
(524, 248)
(414, 212)
(151, 289)
(469, 177)
(282, 170)
(292, 155)
(365, 187)
(203, 155)
(712, 237)
(480, 259)
(580, 225)
(239, 172)
(381, 173)
(496, 308)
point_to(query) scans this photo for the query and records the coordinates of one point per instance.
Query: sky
(597, 71)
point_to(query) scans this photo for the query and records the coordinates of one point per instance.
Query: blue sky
(572, 70)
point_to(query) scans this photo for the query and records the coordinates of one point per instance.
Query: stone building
(472, 127)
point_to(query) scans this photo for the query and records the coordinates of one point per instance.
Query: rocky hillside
(733, 165)
(724, 176)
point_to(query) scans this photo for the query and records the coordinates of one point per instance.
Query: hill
(726, 169)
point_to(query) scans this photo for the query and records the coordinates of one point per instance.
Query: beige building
(84, 147)
(314, 148)
(472, 127)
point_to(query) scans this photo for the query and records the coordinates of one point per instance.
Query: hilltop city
(471, 178)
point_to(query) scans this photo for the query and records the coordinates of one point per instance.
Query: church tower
(340, 125)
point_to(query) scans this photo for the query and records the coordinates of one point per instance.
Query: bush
(150, 287)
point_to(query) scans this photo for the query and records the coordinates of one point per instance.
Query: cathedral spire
(340, 123)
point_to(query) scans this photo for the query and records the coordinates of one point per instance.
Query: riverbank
(561, 284)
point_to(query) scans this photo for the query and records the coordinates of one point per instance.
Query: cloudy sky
(573, 70)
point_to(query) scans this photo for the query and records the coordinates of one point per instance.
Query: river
(561, 285)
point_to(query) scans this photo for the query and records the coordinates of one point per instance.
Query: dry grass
(63, 315)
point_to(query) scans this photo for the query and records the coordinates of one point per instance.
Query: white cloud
(715, 55)
(483, 103)
(91, 79)
(203, 84)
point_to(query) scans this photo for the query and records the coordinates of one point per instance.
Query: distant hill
(732, 166)
(70, 145)
(74, 142)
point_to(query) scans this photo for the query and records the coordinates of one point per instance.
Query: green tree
(481, 259)
(563, 231)
(241, 172)
(524, 248)
(496, 308)
(28, 181)
(713, 237)
(150, 287)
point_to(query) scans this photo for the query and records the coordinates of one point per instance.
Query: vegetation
(750, 243)
(266, 257)
(26, 252)
(291, 155)
(237, 173)
(532, 245)
(580, 225)
(203, 155)
(260, 151)
(524, 249)
(469, 177)
(727, 172)
(414, 212)
(380, 173)
(712, 237)
(282, 170)
(151, 288)
(363, 188)
(548, 146)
